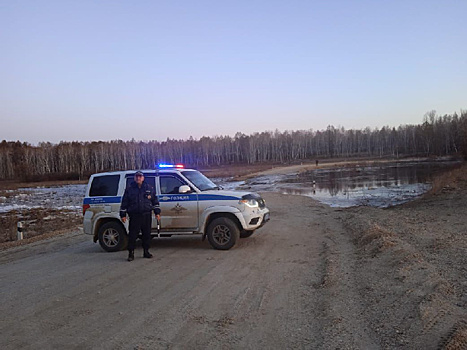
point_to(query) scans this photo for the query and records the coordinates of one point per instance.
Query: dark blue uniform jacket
(139, 200)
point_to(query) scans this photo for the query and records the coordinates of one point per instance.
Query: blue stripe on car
(164, 198)
(216, 197)
(194, 197)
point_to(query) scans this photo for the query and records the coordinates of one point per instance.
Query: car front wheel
(223, 233)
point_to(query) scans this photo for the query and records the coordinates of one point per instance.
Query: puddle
(226, 183)
(382, 186)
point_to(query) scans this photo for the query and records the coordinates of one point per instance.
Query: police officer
(138, 202)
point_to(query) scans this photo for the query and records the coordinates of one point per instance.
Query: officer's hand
(158, 217)
(124, 219)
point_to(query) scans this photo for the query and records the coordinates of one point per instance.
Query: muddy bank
(37, 222)
(413, 264)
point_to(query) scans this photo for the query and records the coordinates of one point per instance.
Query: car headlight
(252, 203)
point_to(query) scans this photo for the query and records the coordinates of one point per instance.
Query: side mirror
(184, 189)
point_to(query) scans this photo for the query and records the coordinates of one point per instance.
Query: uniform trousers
(140, 223)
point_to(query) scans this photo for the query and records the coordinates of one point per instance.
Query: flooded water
(68, 197)
(381, 185)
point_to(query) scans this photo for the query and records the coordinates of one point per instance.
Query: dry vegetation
(451, 180)
(38, 224)
(420, 250)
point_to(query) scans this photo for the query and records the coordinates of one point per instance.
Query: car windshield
(200, 181)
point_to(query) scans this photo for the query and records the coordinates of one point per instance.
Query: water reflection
(381, 186)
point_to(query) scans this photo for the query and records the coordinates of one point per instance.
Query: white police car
(189, 201)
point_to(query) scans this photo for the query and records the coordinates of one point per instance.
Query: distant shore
(245, 171)
(249, 171)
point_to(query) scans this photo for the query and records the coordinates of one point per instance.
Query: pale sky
(102, 70)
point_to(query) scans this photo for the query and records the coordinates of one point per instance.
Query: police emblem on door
(178, 209)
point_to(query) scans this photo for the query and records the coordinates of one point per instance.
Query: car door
(179, 211)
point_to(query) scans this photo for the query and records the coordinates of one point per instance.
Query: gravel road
(295, 284)
(271, 291)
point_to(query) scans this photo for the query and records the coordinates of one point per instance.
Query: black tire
(112, 236)
(223, 233)
(246, 234)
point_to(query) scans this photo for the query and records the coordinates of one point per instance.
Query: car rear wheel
(112, 237)
(223, 233)
(246, 233)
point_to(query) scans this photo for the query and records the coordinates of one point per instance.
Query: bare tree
(436, 135)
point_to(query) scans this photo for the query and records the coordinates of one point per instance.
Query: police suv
(190, 204)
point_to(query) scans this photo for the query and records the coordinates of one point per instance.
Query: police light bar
(178, 166)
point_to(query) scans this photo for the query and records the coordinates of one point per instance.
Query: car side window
(103, 186)
(170, 184)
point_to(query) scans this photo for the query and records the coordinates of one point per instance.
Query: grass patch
(450, 180)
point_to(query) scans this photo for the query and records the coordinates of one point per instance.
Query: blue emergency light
(178, 166)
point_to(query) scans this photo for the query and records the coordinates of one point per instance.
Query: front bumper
(265, 219)
(254, 219)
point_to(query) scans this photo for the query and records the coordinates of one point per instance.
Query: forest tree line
(435, 136)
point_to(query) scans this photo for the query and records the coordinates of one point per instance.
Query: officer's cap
(139, 173)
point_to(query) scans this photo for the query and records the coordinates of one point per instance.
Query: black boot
(131, 255)
(146, 254)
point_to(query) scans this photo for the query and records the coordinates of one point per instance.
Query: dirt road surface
(300, 282)
(268, 292)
